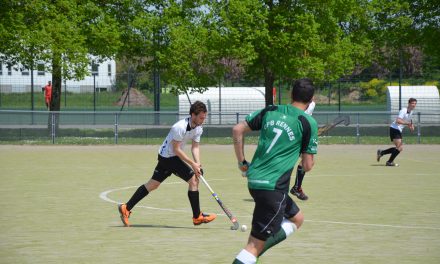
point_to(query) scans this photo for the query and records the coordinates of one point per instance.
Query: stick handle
(224, 208)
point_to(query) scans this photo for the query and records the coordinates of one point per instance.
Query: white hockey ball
(243, 228)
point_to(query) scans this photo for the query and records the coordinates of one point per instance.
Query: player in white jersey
(300, 173)
(173, 160)
(403, 119)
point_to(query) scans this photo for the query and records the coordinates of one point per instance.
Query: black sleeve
(307, 133)
(257, 122)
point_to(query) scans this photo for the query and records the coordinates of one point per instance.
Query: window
(109, 68)
(95, 67)
(24, 71)
(1, 68)
(40, 69)
(9, 69)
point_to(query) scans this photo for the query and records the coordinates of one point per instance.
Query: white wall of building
(16, 80)
(428, 101)
(225, 100)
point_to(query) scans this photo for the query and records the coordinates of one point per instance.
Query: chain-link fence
(152, 127)
(135, 91)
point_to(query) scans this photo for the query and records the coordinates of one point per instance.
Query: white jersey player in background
(173, 160)
(403, 119)
(300, 173)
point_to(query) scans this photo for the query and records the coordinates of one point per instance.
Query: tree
(401, 29)
(323, 40)
(65, 35)
(169, 37)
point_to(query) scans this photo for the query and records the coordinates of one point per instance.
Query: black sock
(387, 151)
(394, 155)
(300, 173)
(193, 197)
(138, 195)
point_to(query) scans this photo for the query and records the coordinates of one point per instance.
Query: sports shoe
(298, 192)
(378, 155)
(391, 164)
(204, 219)
(125, 214)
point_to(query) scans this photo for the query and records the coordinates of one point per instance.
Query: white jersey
(403, 114)
(310, 108)
(180, 131)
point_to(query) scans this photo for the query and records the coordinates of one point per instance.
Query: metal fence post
(116, 127)
(238, 116)
(52, 118)
(418, 128)
(357, 129)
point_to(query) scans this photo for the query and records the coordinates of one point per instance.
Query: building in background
(17, 79)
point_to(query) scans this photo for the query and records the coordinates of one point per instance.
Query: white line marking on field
(374, 225)
(422, 161)
(104, 196)
(316, 175)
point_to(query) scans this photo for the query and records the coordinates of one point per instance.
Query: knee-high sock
(300, 173)
(245, 257)
(138, 195)
(193, 197)
(287, 228)
(387, 151)
(394, 155)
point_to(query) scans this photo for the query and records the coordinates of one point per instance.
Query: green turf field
(59, 206)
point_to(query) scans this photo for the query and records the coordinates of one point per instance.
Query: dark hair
(303, 90)
(197, 107)
(412, 100)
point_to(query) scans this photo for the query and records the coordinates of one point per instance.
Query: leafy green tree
(168, 37)
(401, 28)
(323, 40)
(62, 34)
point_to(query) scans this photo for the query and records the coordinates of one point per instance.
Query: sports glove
(243, 167)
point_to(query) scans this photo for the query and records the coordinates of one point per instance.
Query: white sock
(246, 257)
(288, 227)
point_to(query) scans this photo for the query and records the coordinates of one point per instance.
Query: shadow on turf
(167, 226)
(378, 165)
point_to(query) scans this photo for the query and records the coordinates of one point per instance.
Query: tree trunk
(55, 103)
(269, 80)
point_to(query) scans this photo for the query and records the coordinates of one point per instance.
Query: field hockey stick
(224, 208)
(338, 120)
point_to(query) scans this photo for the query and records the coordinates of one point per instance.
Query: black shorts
(173, 165)
(270, 209)
(395, 134)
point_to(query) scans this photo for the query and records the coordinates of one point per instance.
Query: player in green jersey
(286, 132)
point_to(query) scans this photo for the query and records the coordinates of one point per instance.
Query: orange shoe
(125, 214)
(204, 219)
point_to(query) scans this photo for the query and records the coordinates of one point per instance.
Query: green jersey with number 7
(285, 133)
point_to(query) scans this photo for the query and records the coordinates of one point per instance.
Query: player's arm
(182, 155)
(238, 132)
(402, 121)
(307, 161)
(195, 150)
(309, 143)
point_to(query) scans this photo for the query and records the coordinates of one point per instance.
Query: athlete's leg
(300, 173)
(267, 217)
(293, 220)
(399, 148)
(193, 195)
(159, 175)
(249, 253)
(297, 189)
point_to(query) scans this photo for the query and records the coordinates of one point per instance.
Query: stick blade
(236, 225)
